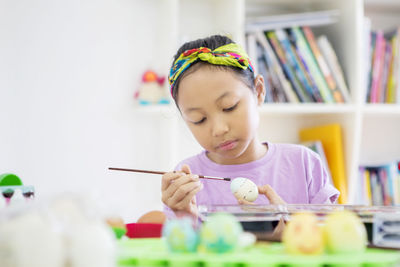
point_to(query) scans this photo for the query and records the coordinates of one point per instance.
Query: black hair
(211, 42)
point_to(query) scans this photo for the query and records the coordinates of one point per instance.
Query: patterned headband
(227, 55)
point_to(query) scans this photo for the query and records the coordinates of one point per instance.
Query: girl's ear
(260, 89)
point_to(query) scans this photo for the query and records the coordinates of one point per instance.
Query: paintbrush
(158, 172)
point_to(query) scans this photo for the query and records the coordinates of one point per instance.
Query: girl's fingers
(188, 200)
(175, 199)
(167, 178)
(178, 184)
(242, 201)
(270, 193)
(186, 169)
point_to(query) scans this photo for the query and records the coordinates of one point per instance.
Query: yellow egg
(303, 235)
(344, 232)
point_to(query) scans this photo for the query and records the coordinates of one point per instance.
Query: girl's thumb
(270, 193)
(186, 169)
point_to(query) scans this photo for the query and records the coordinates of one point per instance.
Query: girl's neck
(256, 150)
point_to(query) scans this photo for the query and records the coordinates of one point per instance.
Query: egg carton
(153, 252)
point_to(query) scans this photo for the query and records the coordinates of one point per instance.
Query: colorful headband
(227, 55)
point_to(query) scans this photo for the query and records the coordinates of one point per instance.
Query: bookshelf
(282, 122)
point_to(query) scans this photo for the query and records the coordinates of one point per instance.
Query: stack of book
(383, 67)
(379, 185)
(296, 65)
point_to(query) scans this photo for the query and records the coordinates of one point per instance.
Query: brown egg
(154, 216)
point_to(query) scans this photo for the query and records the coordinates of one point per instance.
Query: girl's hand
(267, 191)
(270, 193)
(179, 190)
(273, 198)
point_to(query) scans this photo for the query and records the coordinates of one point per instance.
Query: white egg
(244, 188)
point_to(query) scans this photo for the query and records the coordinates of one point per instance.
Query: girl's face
(221, 112)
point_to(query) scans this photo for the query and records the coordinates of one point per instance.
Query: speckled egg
(303, 235)
(244, 188)
(344, 232)
(220, 233)
(180, 235)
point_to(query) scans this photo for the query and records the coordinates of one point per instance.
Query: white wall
(68, 71)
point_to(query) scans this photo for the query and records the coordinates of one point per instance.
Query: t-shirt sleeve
(320, 188)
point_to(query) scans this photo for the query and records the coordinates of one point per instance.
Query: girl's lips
(227, 145)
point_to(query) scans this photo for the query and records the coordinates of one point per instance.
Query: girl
(217, 93)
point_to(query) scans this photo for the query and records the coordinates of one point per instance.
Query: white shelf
(381, 109)
(312, 108)
(281, 122)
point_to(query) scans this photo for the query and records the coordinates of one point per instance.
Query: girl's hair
(212, 42)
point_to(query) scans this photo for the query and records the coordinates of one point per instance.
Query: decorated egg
(344, 232)
(220, 233)
(244, 188)
(303, 235)
(180, 235)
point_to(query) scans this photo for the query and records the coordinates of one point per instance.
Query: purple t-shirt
(295, 172)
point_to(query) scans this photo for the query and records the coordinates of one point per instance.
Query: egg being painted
(243, 188)
(303, 235)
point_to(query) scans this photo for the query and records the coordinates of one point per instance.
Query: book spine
(301, 58)
(391, 86)
(385, 73)
(286, 67)
(371, 63)
(318, 56)
(376, 70)
(368, 186)
(396, 97)
(276, 67)
(278, 94)
(312, 64)
(330, 56)
(263, 70)
(290, 55)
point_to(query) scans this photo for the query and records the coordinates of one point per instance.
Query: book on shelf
(384, 67)
(381, 184)
(318, 148)
(333, 63)
(276, 70)
(305, 71)
(287, 67)
(330, 136)
(295, 63)
(320, 83)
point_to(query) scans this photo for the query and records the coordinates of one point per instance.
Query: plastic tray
(152, 252)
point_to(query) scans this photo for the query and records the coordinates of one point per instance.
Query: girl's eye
(231, 108)
(200, 121)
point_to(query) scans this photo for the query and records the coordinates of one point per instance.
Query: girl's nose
(219, 127)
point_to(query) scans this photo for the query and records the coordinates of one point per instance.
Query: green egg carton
(152, 252)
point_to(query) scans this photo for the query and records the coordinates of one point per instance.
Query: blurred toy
(152, 89)
(180, 235)
(303, 235)
(117, 225)
(220, 233)
(344, 232)
(13, 191)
